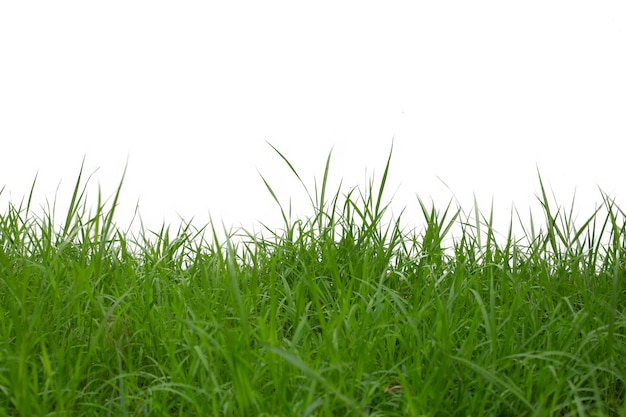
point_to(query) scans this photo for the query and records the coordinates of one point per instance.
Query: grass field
(342, 313)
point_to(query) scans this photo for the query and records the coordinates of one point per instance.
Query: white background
(474, 94)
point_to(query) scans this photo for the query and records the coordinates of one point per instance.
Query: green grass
(343, 313)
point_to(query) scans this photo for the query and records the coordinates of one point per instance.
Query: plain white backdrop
(474, 95)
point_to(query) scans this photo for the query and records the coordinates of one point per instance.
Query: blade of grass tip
(437, 223)
(383, 181)
(292, 170)
(590, 242)
(322, 196)
(280, 206)
(490, 236)
(570, 219)
(96, 237)
(109, 216)
(452, 220)
(565, 223)
(75, 199)
(601, 234)
(216, 242)
(101, 233)
(18, 231)
(529, 231)
(351, 205)
(30, 195)
(551, 220)
(477, 220)
(585, 225)
(509, 233)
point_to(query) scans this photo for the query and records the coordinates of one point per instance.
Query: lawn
(342, 313)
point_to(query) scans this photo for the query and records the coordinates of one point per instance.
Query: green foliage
(342, 313)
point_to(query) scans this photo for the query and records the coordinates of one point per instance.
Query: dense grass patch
(341, 313)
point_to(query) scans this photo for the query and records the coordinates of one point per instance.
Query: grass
(340, 313)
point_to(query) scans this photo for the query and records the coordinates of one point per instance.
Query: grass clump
(341, 313)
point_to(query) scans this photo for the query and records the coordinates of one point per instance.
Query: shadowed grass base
(336, 314)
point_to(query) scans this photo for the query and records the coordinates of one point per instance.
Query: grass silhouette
(340, 313)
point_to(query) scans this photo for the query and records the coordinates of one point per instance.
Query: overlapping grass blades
(341, 313)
